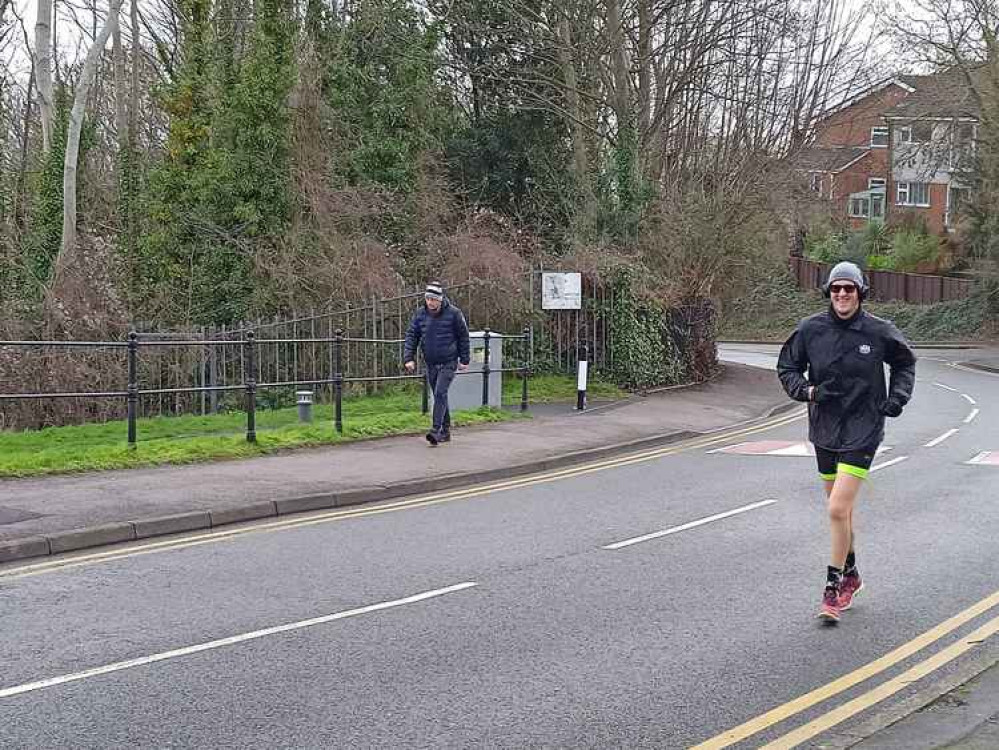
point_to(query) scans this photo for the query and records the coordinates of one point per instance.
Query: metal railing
(248, 346)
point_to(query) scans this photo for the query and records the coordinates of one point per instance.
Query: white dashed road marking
(968, 398)
(230, 641)
(886, 464)
(972, 415)
(940, 438)
(691, 525)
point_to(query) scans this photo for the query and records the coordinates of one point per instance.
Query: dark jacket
(444, 336)
(847, 358)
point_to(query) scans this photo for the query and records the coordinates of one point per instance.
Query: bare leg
(842, 494)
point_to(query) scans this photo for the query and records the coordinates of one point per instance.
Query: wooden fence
(889, 286)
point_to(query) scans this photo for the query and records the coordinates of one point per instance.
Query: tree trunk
(133, 97)
(645, 63)
(580, 161)
(132, 135)
(22, 167)
(621, 98)
(43, 70)
(86, 81)
(120, 110)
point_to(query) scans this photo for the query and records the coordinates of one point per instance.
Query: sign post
(564, 291)
(561, 291)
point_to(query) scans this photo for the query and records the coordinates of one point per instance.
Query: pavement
(52, 515)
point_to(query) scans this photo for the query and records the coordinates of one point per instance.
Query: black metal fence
(205, 370)
(234, 366)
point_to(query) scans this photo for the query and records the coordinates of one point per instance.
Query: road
(654, 601)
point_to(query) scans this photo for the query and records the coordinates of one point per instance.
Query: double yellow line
(872, 697)
(391, 507)
(726, 739)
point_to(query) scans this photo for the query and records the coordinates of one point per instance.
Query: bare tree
(83, 86)
(44, 23)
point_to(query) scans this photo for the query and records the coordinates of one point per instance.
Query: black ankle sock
(833, 576)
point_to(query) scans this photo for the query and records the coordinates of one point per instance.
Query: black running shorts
(856, 462)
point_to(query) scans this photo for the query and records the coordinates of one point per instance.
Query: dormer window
(879, 137)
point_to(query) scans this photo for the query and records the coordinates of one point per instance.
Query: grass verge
(191, 439)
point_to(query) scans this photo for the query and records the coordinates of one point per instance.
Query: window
(816, 182)
(964, 132)
(918, 132)
(912, 194)
(879, 137)
(860, 208)
(878, 206)
(875, 182)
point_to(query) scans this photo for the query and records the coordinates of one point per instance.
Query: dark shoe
(444, 437)
(848, 588)
(432, 439)
(829, 611)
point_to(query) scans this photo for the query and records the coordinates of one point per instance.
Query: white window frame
(880, 130)
(876, 182)
(816, 182)
(864, 213)
(903, 194)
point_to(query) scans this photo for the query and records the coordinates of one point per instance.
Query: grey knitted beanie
(846, 271)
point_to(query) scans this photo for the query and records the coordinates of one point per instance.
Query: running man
(844, 350)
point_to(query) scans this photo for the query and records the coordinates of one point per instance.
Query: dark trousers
(439, 379)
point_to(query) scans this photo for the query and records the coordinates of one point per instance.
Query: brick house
(898, 150)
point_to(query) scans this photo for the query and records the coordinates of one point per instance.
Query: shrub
(880, 263)
(877, 239)
(914, 251)
(825, 248)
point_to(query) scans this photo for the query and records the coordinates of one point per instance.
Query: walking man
(844, 351)
(440, 329)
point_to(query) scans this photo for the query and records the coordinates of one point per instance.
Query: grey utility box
(466, 389)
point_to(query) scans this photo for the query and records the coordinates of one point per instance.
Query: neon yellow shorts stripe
(828, 477)
(854, 470)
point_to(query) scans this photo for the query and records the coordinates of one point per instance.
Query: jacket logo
(865, 348)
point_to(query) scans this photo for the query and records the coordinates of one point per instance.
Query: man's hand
(826, 391)
(891, 408)
(462, 367)
(411, 366)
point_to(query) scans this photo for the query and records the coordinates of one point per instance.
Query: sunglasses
(842, 289)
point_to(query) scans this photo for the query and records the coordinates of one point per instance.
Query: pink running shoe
(830, 605)
(848, 588)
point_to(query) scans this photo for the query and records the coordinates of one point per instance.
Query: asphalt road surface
(659, 601)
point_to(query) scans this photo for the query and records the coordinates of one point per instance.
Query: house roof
(818, 159)
(859, 96)
(942, 95)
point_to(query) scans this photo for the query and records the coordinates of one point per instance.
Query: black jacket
(444, 336)
(847, 358)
